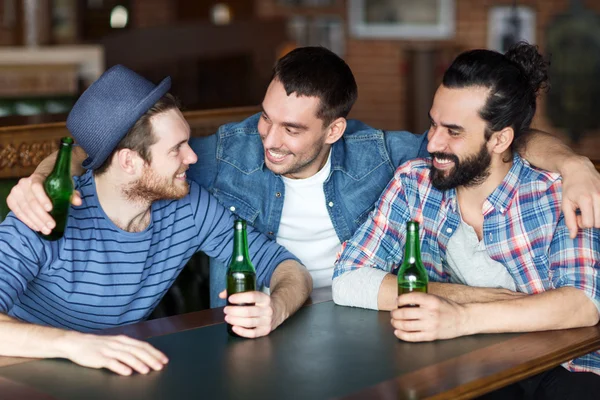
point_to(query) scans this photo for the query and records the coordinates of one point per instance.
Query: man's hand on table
(31, 206)
(250, 321)
(434, 318)
(120, 354)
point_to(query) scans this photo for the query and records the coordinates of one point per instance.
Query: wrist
(64, 343)
(280, 313)
(573, 164)
(468, 327)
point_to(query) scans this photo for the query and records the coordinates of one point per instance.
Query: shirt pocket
(237, 206)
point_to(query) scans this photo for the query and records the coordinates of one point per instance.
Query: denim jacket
(231, 166)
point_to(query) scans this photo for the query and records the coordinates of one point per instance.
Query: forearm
(388, 292)
(547, 152)
(291, 284)
(21, 339)
(463, 294)
(555, 309)
(77, 157)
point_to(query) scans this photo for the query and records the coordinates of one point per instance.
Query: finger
(587, 212)
(247, 322)
(409, 325)
(413, 336)
(39, 196)
(16, 209)
(76, 198)
(126, 357)
(413, 298)
(248, 311)
(31, 218)
(223, 294)
(117, 367)
(16, 202)
(253, 297)
(408, 313)
(570, 219)
(251, 333)
(145, 351)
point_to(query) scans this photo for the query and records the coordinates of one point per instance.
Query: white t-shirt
(306, 228)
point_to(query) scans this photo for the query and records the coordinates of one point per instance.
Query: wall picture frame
(402, 19)
(508, 25)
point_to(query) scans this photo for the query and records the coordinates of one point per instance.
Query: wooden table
(325, 351)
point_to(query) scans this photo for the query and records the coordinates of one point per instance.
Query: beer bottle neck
(62, 166)
(240, 260)
(412, 250)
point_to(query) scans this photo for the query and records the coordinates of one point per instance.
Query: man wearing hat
(309, 177)
(139, 223)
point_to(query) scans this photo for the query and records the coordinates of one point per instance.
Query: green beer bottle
(412, 276)
(241, 275)
(59, 188)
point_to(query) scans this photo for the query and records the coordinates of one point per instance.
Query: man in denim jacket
(303, 174)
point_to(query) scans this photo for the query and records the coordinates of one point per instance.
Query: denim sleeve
(215, 232)
(403, 146)
(204, 171)
(21, 258)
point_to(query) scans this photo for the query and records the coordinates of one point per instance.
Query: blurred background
(220, 53)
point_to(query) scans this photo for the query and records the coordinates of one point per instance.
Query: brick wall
(380, 65)
(148, 13)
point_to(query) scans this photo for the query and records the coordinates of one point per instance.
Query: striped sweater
(99, 276)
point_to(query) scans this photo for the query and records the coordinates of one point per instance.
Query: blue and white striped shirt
(99, 276)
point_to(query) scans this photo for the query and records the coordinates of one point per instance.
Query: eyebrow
(294, 125)
(178, 144)
(449, 126)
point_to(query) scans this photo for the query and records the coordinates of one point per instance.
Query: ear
(129, 161)
(501, 140)
(335, 130)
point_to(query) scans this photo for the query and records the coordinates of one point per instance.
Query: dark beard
(473, 171)
(151, 187)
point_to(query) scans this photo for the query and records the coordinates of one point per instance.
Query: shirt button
(232, 209)
(278, 194)
(491, 237)
(448, 230)
(502, 210)
(331, 204)
(270, 233)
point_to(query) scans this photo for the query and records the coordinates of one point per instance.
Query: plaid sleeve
(378, 243)
(576, 262)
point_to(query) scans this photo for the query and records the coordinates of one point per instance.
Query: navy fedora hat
(109, 108)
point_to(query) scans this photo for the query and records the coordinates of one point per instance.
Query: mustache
(445, 156)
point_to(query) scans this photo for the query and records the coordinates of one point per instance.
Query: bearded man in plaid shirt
(493, 238)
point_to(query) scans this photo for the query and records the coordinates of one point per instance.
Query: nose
(437, 143)
(190, 157)
(271, 137)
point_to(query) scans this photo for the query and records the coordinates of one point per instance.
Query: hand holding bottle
(250, 321)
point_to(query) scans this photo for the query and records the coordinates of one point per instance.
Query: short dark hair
(140, 137)
(513, 79)
(318, 72)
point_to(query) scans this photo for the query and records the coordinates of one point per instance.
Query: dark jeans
(555, 384)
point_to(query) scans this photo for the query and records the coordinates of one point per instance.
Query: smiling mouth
(276, 156)
(442, 163)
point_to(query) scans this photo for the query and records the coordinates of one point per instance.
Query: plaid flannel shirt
(523, 229)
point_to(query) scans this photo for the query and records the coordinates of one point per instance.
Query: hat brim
(147, 102)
